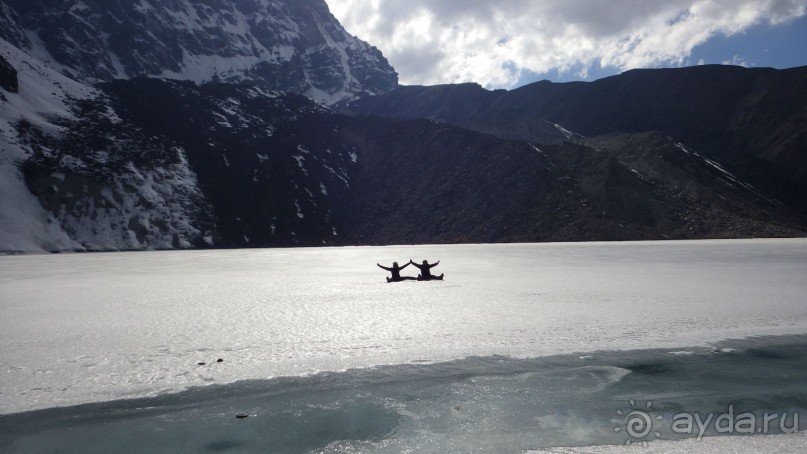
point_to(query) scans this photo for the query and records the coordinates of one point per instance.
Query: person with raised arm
(425, 271)
(396, 272)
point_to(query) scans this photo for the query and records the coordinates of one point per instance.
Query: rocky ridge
(295, 46)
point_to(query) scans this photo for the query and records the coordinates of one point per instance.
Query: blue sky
(764, 45)
(776, 46)
(508, 43)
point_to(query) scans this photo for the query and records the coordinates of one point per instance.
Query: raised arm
(384, 267)
(410, 262)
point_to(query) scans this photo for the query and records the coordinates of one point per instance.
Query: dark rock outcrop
(8, 76)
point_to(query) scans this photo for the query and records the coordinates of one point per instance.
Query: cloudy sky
(507, 43)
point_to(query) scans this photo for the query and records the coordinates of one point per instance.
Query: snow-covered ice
(82, 328)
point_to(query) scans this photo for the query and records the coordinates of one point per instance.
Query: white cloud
(447, 41)
(737, 61)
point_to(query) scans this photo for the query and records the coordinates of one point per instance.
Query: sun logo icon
(638, 423)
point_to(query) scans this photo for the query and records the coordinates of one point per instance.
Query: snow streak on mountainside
(106, 185)
(295, 46)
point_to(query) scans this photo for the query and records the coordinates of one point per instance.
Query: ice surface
(523, 346)
(478, 404)
(99, 327)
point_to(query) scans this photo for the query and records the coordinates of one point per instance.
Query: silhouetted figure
(396, 272)
(425, 273)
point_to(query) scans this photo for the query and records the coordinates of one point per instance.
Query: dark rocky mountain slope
(419, 181)
(753, 121)
(270, 164)
(279, 170)
(232, 146)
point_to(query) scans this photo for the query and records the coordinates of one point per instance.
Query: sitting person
(396, 272)
(425, 273)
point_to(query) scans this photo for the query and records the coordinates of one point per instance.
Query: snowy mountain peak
(295, 46)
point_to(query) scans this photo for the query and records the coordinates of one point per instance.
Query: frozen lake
(90, 328)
